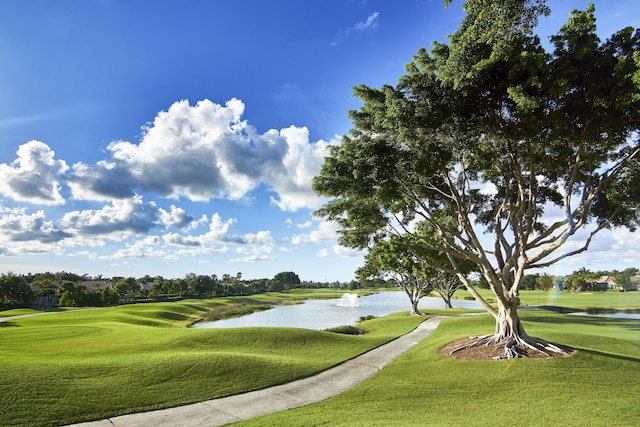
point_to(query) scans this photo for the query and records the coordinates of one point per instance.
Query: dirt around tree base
(488, 352)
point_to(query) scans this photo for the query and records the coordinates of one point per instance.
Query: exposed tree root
(516, 347)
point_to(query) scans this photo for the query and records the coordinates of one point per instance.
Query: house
(96, 285)
(45, 300)
(605, 283)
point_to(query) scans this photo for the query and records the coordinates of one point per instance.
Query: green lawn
(597, 386)
(85, 364)
(80, 365)
(583, 300)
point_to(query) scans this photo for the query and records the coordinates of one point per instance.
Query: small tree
(286, 280)
(622, 281)
(446, 284)
(14, 292)
(545, 282)
(395, 257)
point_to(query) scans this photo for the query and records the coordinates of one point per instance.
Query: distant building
(96, 285)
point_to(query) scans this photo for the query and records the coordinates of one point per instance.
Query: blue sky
(166, 137)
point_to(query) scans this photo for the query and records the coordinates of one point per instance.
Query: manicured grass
(596, 386)
(581, 300)
(609, 299)
(89, 364)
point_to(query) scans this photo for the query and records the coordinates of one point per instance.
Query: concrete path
(278, 398)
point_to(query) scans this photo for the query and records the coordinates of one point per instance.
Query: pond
(617, 315)
(323, 314)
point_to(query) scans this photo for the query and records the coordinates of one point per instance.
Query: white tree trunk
(414, 307)
(508, 324)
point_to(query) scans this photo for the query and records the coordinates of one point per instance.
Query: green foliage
(284, 281)
(529, 130)
(346, 329)
(227, 311)
(14, 292)
(485, 33)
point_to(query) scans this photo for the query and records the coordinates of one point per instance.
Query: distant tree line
(73, 290)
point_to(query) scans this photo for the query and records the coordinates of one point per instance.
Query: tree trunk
(510, 334)
(447, 302)
(414, 307)
(508, 325)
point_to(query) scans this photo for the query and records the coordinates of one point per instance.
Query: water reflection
(323, 314)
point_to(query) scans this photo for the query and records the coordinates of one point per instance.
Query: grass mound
(84, 365)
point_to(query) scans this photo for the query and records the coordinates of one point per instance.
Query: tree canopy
(487, 26)
(534, 147)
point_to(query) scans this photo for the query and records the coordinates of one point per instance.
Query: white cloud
(326, 231)
(254, 259)
(217, 230)
(23, 232)
(343, 252)
(202, 152)
(178, 240)
(371, 22)
(131, 216)
(179, 218)
(218, 236)
(140, 249)
(34, 176)
(291, 177)
(104, 181)
(323, 253)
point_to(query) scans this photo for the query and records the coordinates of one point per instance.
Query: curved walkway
(302, 392)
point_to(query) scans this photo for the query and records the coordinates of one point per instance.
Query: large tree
(501, 171)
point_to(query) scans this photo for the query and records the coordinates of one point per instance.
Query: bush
(346, 329)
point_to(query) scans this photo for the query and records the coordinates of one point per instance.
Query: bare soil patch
(487, 352)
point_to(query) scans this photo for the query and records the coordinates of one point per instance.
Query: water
(323, 314)
(349, 300)
(621, 315)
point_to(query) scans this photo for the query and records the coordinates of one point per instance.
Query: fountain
(349, 300)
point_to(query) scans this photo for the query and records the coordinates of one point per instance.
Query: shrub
(346, 329)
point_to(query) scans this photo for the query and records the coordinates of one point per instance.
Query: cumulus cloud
(202, 152)
(178, 240)
(34, 176)
(197, 152)
(343, 252)
(144, 248)
(18, 226)
(179, 218)
(104, 181)
(218, 234)
(291, 176)
(131, 216)
(326, 231)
